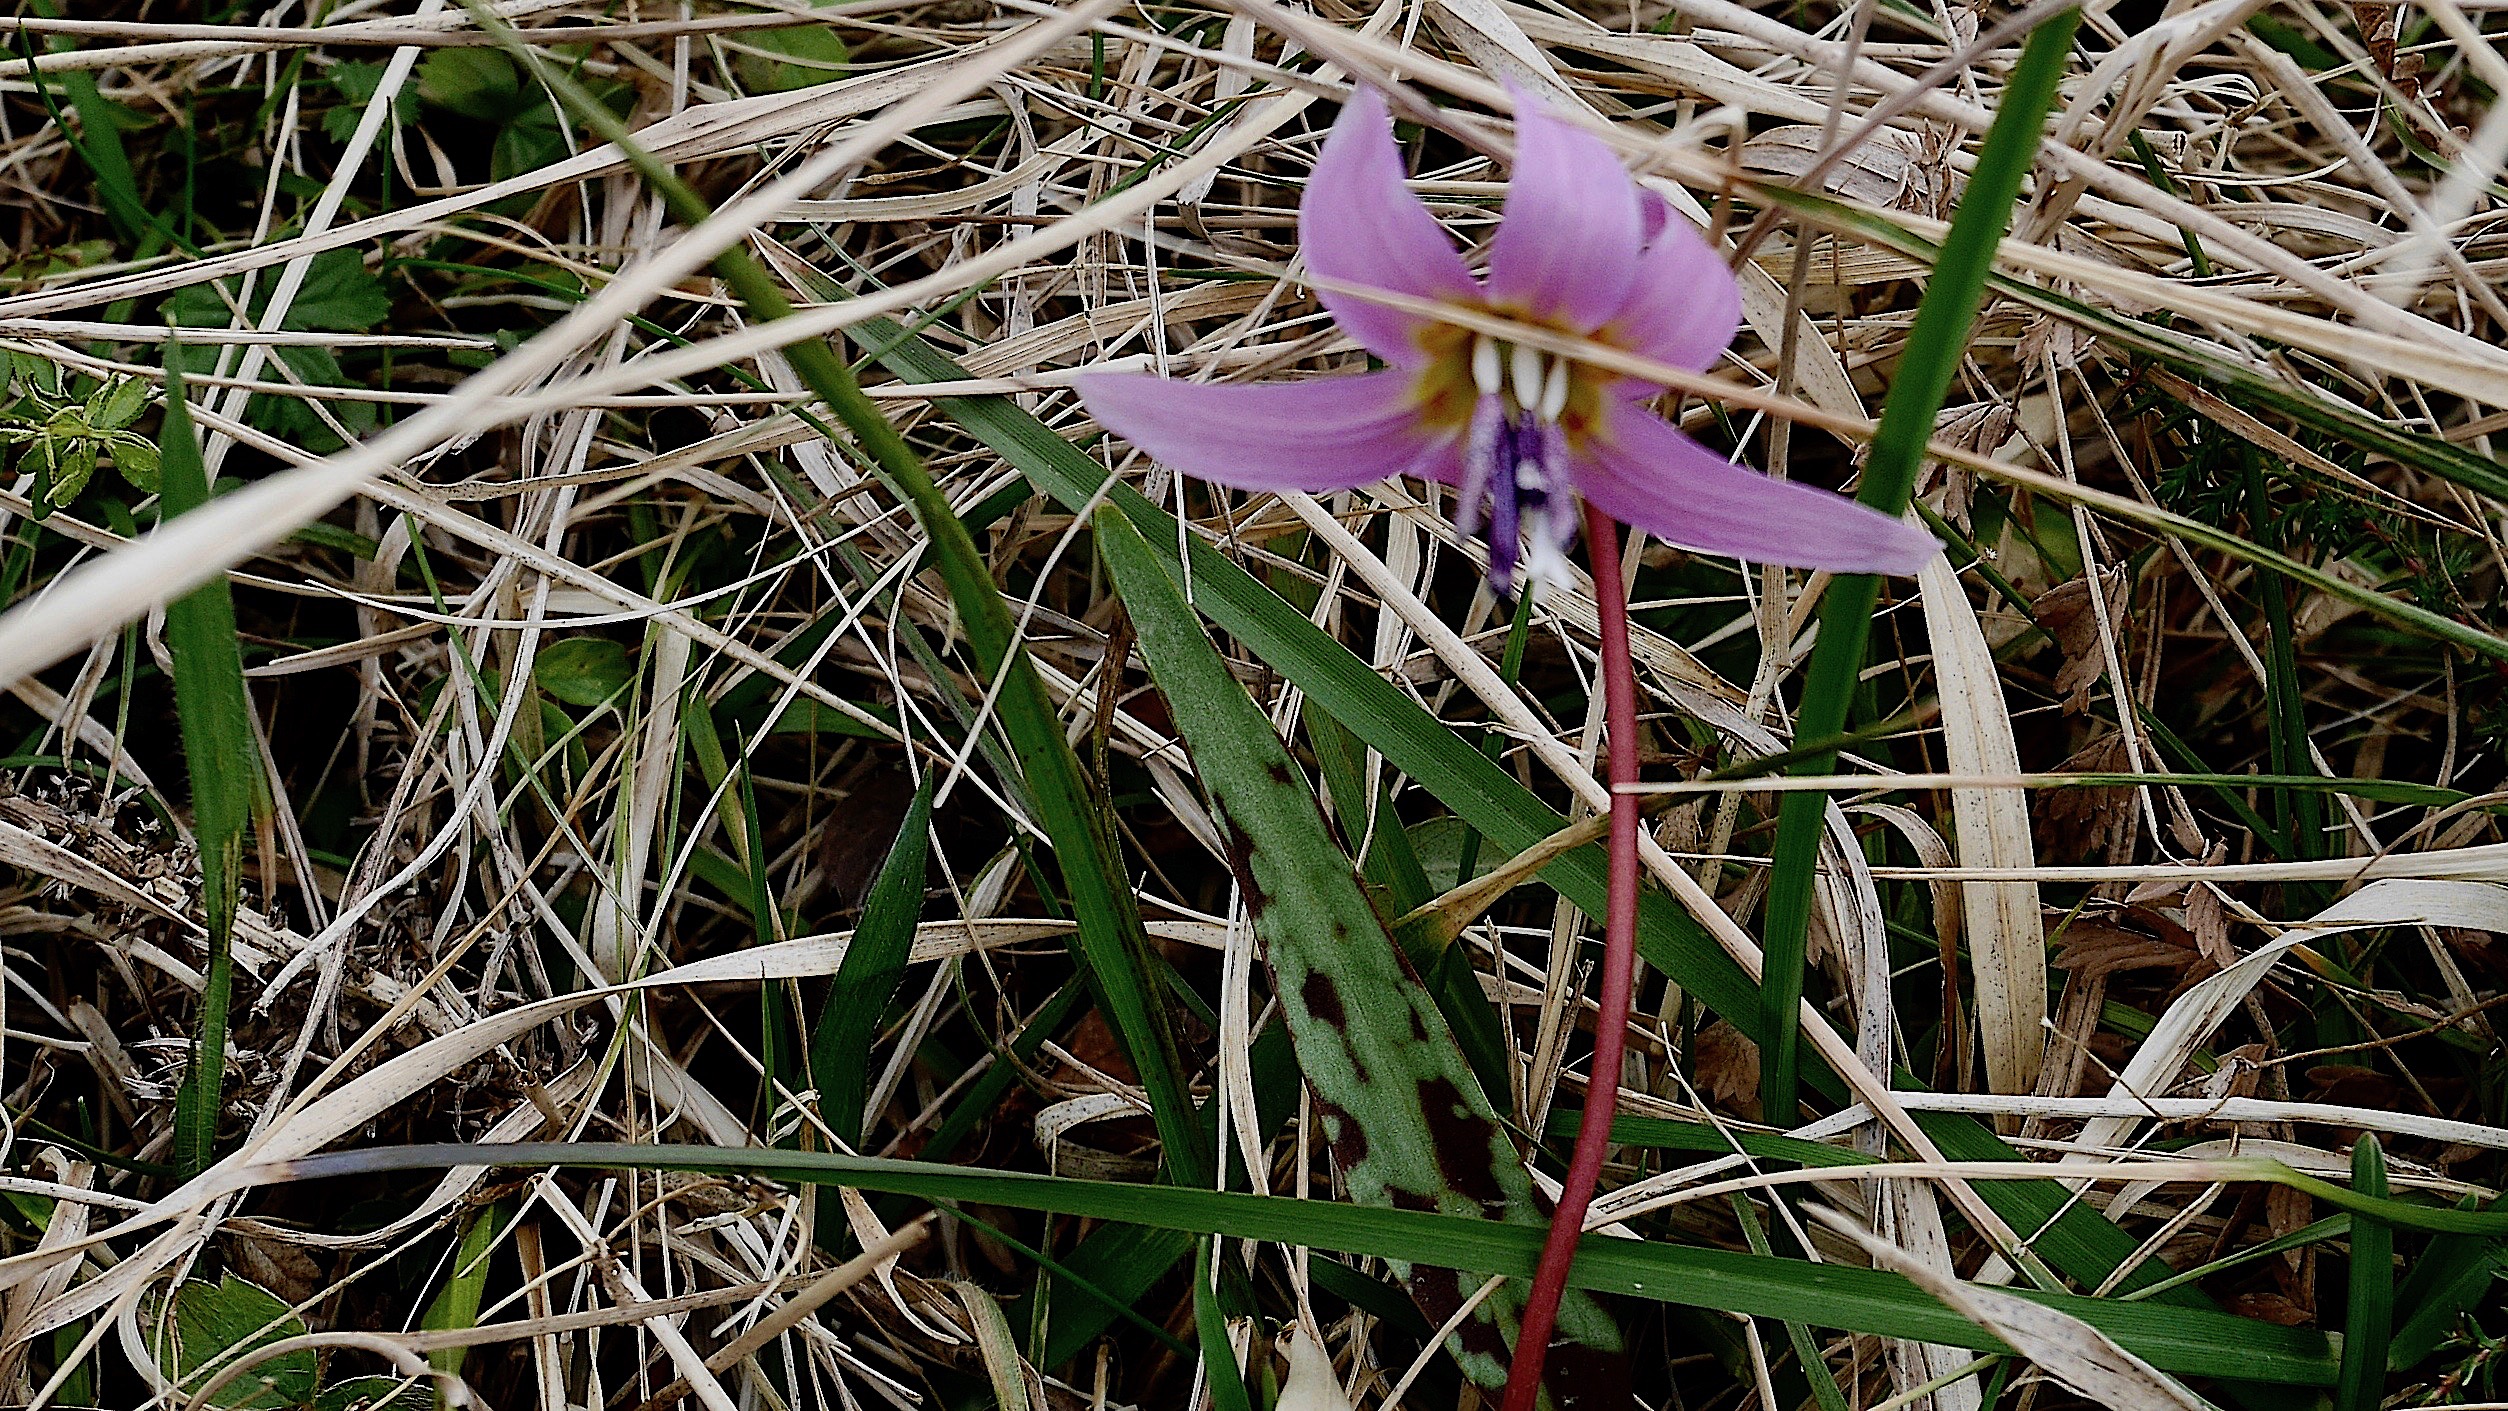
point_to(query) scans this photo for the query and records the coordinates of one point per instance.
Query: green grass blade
(1935, 346)
(457, 1304)
(1409, 1123)
(2242, 383)
(866, 981)
(223, 756)
(2371, 1297)
(2300, 815)
(2438, 1288)
(1128, 1260)
(1824, 1389)
(1224, 1377)
(2187, 1341)
(98, 143)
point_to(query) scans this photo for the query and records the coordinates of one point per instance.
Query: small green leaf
(1221, 1373)
(456, 1305)
(222, 754)
(809, 716)
(118, 405)
(476, 83)
(583, 671)
(73, 464)
(338, 295)
(216, 1322)
(816, 55)
(356, 84)
(526, 142)
(136, 457)
(30, 372)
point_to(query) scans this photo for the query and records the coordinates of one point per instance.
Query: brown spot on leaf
(1464, 1144)
(1322, 995)
(1241, 862)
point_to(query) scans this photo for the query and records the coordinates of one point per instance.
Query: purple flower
(1518, 432)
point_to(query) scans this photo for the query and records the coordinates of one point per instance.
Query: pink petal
(1328, 434)
(1643, 472)
(1684, 306)
(1359, 224)
(1567, 248)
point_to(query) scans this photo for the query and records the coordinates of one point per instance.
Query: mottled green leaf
(1408, 1122)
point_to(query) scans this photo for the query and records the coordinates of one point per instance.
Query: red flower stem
(1619, 966)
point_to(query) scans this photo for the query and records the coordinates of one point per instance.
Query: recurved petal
(1359, 224)
(1567, 247)
(1643, 472)
(1684, 307)
(1328, 434)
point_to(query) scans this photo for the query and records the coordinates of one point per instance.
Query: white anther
(1527, 366)
(1486, 370)
(1554, 391)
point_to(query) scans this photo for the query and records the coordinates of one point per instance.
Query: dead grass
(572, 467)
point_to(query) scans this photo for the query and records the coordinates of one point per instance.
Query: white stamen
(1486, 372)
(1527, 366)
(1545, 566)
(1554, 391)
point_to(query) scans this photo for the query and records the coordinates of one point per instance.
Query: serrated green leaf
(526, 142)
(34, 373)
(339, 295)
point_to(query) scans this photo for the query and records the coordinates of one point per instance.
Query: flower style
(1580, 249)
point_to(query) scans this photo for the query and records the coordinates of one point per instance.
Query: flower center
(1516, 461)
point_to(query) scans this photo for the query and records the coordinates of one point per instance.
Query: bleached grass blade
(2196, 1014)
(2071, 1351)
(2006, 933)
